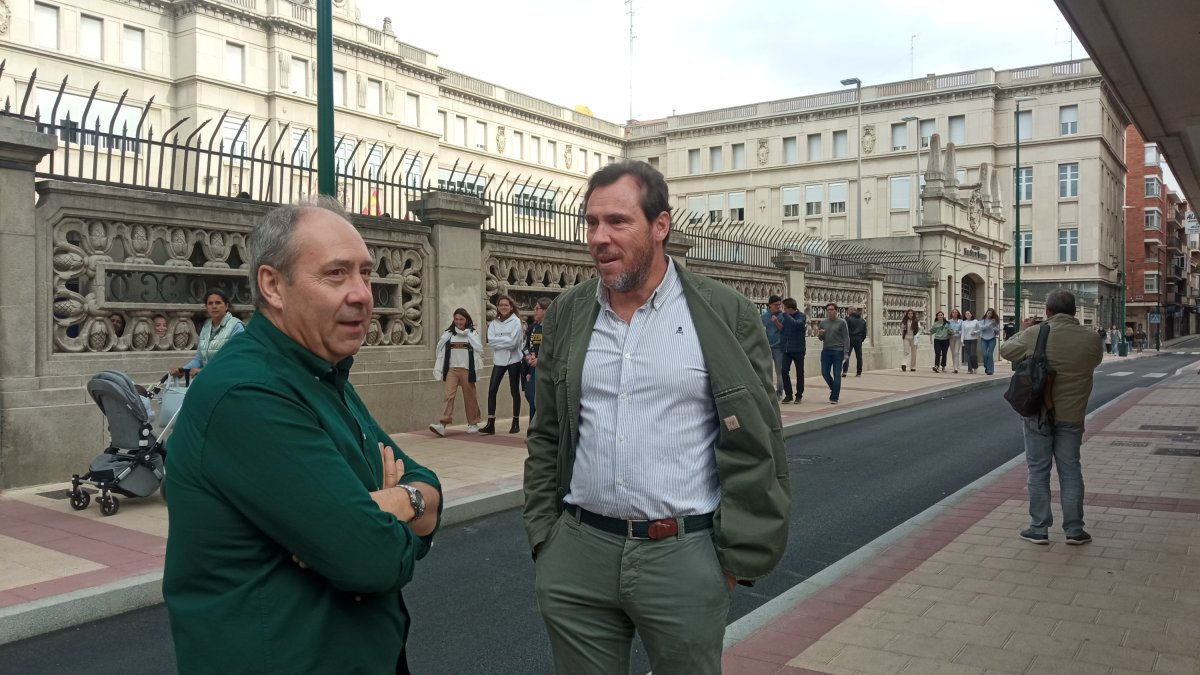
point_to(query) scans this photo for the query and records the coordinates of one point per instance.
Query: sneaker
(1079, 539)
(472, 428)
(797, 401)
(956, 371)
(903, 368)
(833, 401)
(935, 369)
(1029, 535)
(439, 429)
(787, 399)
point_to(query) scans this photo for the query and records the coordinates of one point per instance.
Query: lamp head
(910, 118)
(852, 80)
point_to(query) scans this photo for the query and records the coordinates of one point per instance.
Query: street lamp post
(1123, 346)
(858, 186)
(1017, 209)
(917, 176)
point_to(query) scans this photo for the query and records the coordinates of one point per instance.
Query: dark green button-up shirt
(274, 455)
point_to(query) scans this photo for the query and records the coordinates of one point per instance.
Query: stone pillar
(455, 221)
(931, 282)
(21, 148)
(795, 264)
(875, 318)
(678, 247)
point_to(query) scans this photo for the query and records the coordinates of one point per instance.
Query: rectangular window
(900, 136)
(960, 176)
(693, 161)
(1025, 125)
(1068, 245)
(898, 188)
(299, 77)
(374, 164)
(1068, 180)
(841, 143)
(612, 160)
(442, 124)
(91, 37)
(1025, 183)
(412, 110)
(45, 26)
(552, 153)
(1153, 186)
(789, 150)
(300, 146)
(738, 151)
(479, 139)
(132, 47)
(518, 145)
(1068, 120)
(375, 96)
(235, 62)
(837, 197)
(1026, 247)
(235, 135)
(1151, 154)
(791, 202)
(696, 207)
(1151, 282)
(737, 206)
(460, 130)
(814, 196)
(535, 149)
(1153, 219)
(342, 147)
(814, 147)
(653, 161)
(715, 159)
(596, 156)
(927, 129)
(339, 87)
(716, 208)
(958, 129)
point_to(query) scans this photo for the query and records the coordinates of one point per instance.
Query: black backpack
(1028, 390)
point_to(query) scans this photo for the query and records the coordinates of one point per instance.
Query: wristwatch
(416, 499)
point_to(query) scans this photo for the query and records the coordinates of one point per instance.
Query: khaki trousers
(910, 352)
(456, 378)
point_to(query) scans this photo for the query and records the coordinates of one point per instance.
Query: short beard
(633, 278)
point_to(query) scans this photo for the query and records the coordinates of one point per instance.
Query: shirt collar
(264, 329)
(665, 290)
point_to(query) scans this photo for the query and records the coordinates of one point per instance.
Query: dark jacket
(795, 328)
(857, 326)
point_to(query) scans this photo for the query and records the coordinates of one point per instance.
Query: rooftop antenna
(631, 36)
(912, 56)
(1070, 41)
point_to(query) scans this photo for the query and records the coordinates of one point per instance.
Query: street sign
(1156, 318)
(1191, 224)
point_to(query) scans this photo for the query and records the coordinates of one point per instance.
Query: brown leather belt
(642, 529)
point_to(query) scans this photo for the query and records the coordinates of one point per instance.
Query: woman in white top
(504, 337)
(970, 340)
(989, 331)
(910, 332)
(955, 337)
(458, 351)
(219, 329)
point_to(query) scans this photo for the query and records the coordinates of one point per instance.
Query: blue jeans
(1055, 443)
(777, 357)
(831, 370)
(989, 360)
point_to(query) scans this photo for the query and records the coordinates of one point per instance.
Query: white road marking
(1155, 375)
(1122, 373)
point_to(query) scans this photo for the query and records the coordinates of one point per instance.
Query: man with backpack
(1054, 433)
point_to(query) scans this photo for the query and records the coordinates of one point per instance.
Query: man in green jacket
(656, 477)
(294, 520)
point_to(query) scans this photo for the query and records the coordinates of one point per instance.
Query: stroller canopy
(118, 399)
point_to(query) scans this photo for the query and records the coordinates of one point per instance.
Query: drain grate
(1167, 427)
(1178, 452)
(1130, 444)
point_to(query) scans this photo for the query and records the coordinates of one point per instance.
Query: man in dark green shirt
(294, 520)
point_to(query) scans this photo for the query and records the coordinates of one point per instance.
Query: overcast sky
(691, 55)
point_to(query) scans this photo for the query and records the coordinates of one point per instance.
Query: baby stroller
(132, 466)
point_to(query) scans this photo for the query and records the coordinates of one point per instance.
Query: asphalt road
(472, 599)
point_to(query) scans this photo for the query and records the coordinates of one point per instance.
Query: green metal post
(326, 181)
(1123, 349)
(1017, 225)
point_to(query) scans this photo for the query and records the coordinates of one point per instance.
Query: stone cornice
(525, 114)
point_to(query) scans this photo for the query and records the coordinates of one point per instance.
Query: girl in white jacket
(970, 341)
(504, 337)
(458, 352)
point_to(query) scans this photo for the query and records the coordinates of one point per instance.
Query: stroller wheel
(79, 499)
(109, 505)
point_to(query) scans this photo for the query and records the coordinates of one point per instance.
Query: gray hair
(271, 243)
(1060, 301)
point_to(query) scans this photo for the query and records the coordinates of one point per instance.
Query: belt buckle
(629, 529)
(661, 529)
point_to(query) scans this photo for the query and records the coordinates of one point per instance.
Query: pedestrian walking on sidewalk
(295, 521)
(504, 337)
(1054, 437)
(793, 324)
(656, 476)
(1104, 338)
(835, 350)
(533, 343)
(956, 348)
(1114, 339)
(457, 352)
(858, 334)
(910, 336)
(940, 330)
(771, 323)
(989, 330)
(970, 340)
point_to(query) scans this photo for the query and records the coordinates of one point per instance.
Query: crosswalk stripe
(1123, 373)
(1155, 375)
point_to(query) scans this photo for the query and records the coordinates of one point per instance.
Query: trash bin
(1123, 349)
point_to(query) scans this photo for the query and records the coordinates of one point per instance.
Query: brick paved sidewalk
(960, 593)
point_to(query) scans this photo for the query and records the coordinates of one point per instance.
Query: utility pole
(631, 36)
(912, 56)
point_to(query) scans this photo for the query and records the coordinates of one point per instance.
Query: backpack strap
(1040, 349)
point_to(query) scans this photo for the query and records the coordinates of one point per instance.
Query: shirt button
(358, 598)
(628, 356)
(622, 439)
